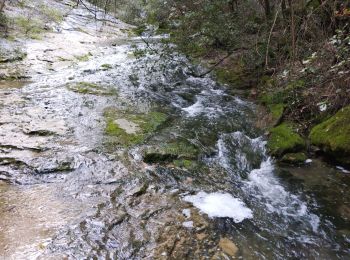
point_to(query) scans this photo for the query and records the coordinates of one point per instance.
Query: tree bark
(292, 31)
(284, 8)
(2, 5)
(267, 8)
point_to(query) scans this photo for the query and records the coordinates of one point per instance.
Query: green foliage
(333, 135)
(129, 11)
(3, 20)
(29, 26)
(51, 13)
(283, 139)
(139, 30)
(106, 66)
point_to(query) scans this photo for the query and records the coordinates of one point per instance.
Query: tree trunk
(283, 8)
(2, 5)
(267, 8)
(292, 31)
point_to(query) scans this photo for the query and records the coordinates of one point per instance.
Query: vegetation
(291, 49)
(294, 158)
(91, 88)
(332, 135)
(283, 139)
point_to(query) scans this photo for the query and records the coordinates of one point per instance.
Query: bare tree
(2, 4)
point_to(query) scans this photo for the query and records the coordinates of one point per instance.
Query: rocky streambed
(109, 154)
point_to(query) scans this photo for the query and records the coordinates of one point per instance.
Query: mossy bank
(333, 136)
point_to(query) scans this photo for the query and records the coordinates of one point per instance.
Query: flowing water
(68, 192)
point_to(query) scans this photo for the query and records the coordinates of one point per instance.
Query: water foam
(220, 205)
(261, 183)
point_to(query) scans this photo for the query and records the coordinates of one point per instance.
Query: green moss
(191, 48)
(283, 139)
(29, 26)
(106, 66)
(294, 158)
(267, 81)
(63, 59)
(84, 57)
(276, 111)
(227, 76)
(187, 164)
(51, 13)
(333, 135)
(91, 88)
(123, 138)
(281, 95)
(3, 20)
(277, 97)
(295, 85)
(146, 125)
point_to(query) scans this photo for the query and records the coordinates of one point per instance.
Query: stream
(199, 184)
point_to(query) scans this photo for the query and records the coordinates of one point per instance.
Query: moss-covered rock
(180, 152)
(276, 111)
(84, 58)
(294, 158)
(187, 164)
(227, 76)
(333, 136)
(106, 67)
(283, 139)
(91, 88)
(124, 128)
(270, 98)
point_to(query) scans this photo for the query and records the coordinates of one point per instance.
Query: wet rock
(11, 161)
(182, 153)
(10, 52)
(228, 247)
(284, 139)
(41, 132)
(91, 88)
(333, 136)
(125, 128)
(201, 236)
(139, 191)
(294, 158)
(152, 158)
(54, 165)
(344, 211)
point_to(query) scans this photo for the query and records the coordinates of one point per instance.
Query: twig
(269, 40)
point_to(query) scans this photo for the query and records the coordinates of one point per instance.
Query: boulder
(284, 139)
(294, 158)
(228, 247)
(333, 136)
